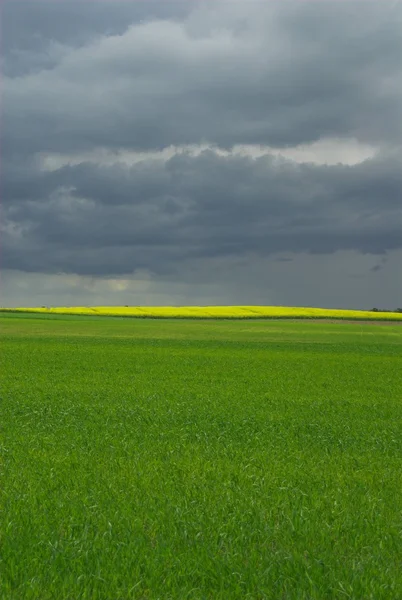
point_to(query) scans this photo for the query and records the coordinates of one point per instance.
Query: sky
(201, 153)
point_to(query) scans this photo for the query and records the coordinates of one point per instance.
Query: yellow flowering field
(214, 312)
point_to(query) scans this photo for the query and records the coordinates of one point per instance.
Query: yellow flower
(210, 312)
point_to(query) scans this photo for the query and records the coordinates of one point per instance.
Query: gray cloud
(36, 35)
(263, 75)
(135, 76)
(155, 214)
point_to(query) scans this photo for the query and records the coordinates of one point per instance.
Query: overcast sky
(201, 152)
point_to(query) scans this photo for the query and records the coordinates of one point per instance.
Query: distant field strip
(215, 312)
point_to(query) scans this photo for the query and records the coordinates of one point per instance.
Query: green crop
(146, 459)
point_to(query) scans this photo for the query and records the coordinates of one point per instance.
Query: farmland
(215, 312)
(189, 459)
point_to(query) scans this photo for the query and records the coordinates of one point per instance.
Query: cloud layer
(104, 220)
(88, 109)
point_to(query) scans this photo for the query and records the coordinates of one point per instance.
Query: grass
(199, 460)
(215, 312)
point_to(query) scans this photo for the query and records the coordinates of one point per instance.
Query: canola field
(187, 459)
(216, 312)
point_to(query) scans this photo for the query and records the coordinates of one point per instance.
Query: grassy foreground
(199, 460)
(215, 312)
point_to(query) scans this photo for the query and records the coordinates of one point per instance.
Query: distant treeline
(396, 310)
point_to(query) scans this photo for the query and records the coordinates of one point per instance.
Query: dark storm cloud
(260, 74)
(84, 76)
(36, 34)
(154, 215)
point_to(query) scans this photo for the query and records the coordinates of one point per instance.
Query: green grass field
(200, 460)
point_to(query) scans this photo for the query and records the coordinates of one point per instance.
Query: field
(168, 459)
(215, 312)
